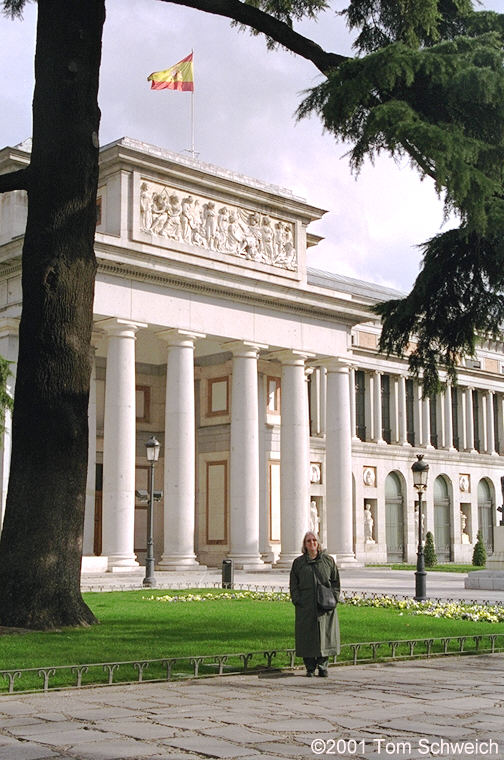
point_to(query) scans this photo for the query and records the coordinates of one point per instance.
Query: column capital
(290, 356)
(176, 337)
(244, 348)
(336, 364)
(120, 327)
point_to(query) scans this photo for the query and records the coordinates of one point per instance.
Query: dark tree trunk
(41, 543)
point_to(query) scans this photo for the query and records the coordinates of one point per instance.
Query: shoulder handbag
(326, 600)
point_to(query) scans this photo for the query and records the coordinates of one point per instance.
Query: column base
(122, 564)
(285, 561)
(347, 561)
(249, 563)
(182, 563)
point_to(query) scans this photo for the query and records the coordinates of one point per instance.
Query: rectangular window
(433, 422)
(218, 396)
(98, 211)
(143, 403)
(455, 421)
(476, 425)
(385, 406)
(360, 405)
(216, 502)
(410, 412)
(495, 402)
(273, 395)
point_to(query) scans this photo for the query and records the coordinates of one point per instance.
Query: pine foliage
(479, 556)
(429, 85)
(430, 557)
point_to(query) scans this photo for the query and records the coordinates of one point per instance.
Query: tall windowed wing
(476, 424)
(433, 422)
(495, 402)
(360, 405)
(410, 413)
(385, 404)
(455, 425)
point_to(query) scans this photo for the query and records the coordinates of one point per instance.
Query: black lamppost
(420, 471)
(152, 451)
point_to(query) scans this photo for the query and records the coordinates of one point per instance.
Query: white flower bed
(450, 610)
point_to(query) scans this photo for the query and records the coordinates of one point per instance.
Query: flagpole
(193, 152)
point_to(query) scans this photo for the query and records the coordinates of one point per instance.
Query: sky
(244, 121)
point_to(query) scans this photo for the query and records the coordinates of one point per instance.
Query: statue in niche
(463, 523)
(227, 229)
(368, 525)
(314, 518)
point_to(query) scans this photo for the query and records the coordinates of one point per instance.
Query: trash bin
(227, 573)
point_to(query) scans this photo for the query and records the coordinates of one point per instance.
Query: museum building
(261, 379)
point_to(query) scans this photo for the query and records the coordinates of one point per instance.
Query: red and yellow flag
(177, 77)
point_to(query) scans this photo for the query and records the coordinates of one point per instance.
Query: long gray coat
(317, 632)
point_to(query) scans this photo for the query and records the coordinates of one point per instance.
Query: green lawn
(449, 567)
(134, 628)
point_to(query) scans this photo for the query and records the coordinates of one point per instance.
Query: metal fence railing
(22, 680)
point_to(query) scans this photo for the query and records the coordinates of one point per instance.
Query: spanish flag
(177, 77)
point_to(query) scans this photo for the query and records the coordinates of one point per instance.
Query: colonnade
(179, 452)
(490, 423)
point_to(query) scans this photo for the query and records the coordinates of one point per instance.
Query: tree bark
(41, 542)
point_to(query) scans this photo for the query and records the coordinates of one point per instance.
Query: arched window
(442, 522)
(394, 518)
(485, 514)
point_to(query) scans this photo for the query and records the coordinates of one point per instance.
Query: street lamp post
(152, 451)
(420, 471)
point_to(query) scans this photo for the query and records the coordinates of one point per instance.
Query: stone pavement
(450, 708)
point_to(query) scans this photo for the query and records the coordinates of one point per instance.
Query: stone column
(469, 418)
(403, 421)
(179, 452)
(9, 347)
(244, 457)
(89, 514)
(119, 443)
(339, 498)
(294, 457)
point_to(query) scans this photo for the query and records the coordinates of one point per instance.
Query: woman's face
(311, 544)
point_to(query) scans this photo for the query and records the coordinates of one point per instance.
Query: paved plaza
(448, 707)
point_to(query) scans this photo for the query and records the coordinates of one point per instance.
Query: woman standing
(317, 630)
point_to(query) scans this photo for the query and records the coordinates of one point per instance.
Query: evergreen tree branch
(275, 29)
(18, 180)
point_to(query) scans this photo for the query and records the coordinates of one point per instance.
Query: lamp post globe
(420, 470)
(152, 448)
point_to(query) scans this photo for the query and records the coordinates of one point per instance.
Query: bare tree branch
(14, 180)
(263, 22)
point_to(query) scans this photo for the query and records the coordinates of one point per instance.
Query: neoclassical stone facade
(261, 379)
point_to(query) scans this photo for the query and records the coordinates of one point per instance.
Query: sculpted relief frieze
(198, 221)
